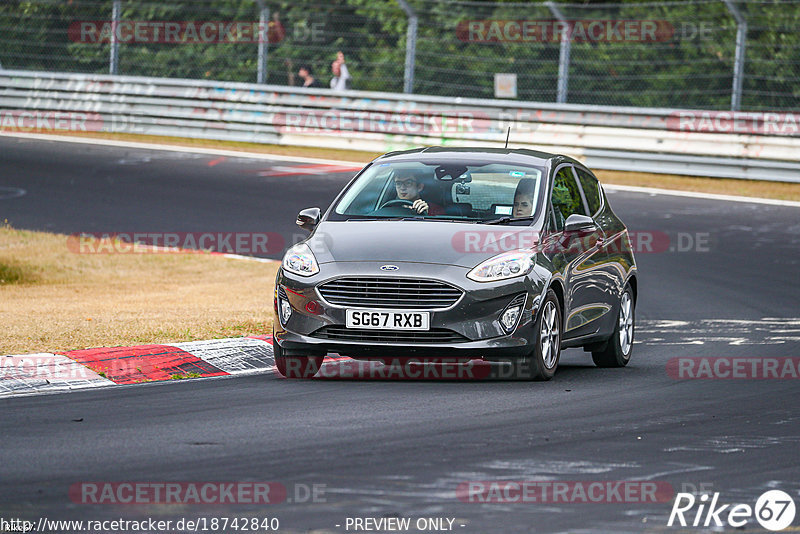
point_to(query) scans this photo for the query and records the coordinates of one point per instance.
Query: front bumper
(474, 317)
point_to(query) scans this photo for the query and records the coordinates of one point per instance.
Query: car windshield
(454, 191)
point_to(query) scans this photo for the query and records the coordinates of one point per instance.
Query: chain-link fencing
(705, 54)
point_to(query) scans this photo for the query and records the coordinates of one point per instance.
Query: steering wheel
(397, 202)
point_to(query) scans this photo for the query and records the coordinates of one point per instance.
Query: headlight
(300, 260)
(503, 266)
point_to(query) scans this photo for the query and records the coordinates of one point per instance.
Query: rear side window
(565, 198)
(591, 189)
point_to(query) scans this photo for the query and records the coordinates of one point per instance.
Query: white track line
(177, 148)
(708, 196)
(300, 159)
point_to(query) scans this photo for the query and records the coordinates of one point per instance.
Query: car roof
(505, 155)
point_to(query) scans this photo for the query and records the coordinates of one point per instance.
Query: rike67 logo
(774, 510)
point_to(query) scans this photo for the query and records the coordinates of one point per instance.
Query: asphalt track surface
(400, 448)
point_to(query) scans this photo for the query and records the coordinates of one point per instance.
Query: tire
(295, 366)
(541, 363)
(618, 350)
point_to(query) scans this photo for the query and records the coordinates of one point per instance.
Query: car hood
(422, 241)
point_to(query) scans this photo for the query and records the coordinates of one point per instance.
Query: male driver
(409, 187)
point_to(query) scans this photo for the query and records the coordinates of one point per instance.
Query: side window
(565, 199)
(591, 189)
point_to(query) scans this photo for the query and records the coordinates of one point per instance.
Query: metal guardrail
(615, 138)
(751, 169)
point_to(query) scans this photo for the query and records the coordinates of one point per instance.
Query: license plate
(388, 320)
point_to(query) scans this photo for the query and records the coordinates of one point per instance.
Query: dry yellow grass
(280, 150)
(52, 299)
(748, 188)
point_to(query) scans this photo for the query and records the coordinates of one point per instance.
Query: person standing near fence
(307, 75)
(341, 76)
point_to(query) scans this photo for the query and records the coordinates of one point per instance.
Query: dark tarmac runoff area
(726, 286)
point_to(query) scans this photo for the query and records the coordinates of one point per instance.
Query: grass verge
(54, 300)
(719, 186)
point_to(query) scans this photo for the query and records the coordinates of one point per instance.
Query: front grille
(377, 292)
(434, 335)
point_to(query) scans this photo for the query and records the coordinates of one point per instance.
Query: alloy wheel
(626, 323)
(549, 335)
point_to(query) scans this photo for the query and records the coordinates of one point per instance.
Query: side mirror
(308, 218)
(579, 223)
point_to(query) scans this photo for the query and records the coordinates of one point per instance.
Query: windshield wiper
(412, 218)
(377, 219)
(438, 219)
(506, 219)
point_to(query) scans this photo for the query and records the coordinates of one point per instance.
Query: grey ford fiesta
(460, 254)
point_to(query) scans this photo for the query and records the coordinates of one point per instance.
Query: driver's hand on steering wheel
(420, 206)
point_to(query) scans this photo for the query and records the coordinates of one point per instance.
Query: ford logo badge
(389, 267)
